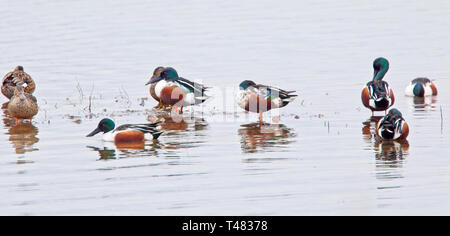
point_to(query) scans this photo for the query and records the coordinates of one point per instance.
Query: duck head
(167, 73)
(245, 84)
(156, 73)
(18, 92)
(380, 67)
(106, 125)
(18, 68)
(419, 90)
(395, 113)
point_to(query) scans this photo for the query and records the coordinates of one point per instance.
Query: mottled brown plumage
(15, 77)
(156, 73)
(22, 105)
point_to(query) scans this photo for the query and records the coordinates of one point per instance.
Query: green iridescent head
(380, 67)
(395, 112)
(168, 74)
(245, 84)
(106, 125)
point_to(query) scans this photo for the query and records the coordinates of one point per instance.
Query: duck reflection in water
(391, 151)
(110, 151)
(422, 104)
(369, 127)
(388, 154)
(21, 135)
(178, 123)
(259, 138)
(181, 131)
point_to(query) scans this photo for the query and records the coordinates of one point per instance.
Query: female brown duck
(22, 105)
(15, 77)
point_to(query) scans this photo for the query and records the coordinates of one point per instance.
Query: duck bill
(154, 80)
(96, 131)
(22, 97)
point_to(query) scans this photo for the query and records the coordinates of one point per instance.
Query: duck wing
(144, 128)
(274, 92)
(378, 89)
(192, 87)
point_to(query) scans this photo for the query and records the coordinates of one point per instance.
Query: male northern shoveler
(392, 126)
(126, 133)
(22, 105)
(177, 91)
(17, 76)
(157, 86)
(376, 95)
(261, 98)
(421, 87)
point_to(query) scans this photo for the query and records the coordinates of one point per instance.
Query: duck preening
(260, 98)
(421, 87)
(376, 95)
(15, 77)
(392, 126)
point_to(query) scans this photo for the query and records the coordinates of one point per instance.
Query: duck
(127, 133)
(260, 98)
(421, 87)
(392, 126)
(173, 90)
(376, 95)
(153, 86)
(22, 104)
(11, 79)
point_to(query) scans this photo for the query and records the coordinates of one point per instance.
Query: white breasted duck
(176, 91)
(376, 95)
(421, 87)
(128, 133)
(260, 98)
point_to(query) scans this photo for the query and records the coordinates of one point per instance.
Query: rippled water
(321, 158)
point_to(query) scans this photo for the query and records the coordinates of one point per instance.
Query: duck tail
(288, 99)
(157, 134)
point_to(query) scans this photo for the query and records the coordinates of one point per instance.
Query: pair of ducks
(22, 104)
(377, 96)
(171, 90)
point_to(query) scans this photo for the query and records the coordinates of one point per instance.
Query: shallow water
(320, 159)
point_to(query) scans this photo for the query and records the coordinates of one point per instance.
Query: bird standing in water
(173, 90)
(392, 126)
(260, 98)
(22, 105)
(376, 95)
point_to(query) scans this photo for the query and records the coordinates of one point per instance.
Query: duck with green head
(376, 95)
(421, 87)
(173, 90)
(22, 105)
(393, 126)
(128, 133)
(260, 98)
